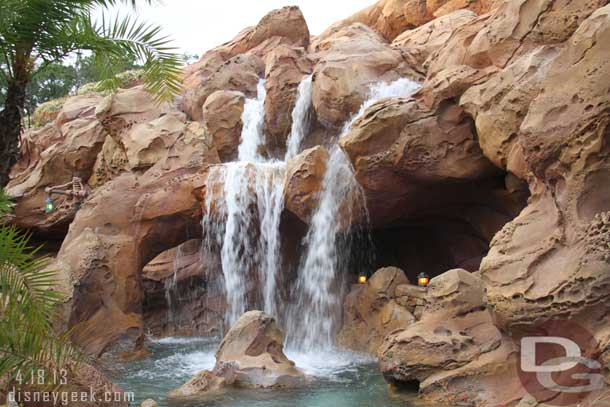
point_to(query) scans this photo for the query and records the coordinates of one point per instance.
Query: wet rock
(350, 61)
(304, 176)
(371, 311)
(286, 67)
(250, 355)
(149, 403)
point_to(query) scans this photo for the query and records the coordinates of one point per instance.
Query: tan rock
(513, 29)
(51, 156)
(371, 311)
(214, 72)
(499, 107)
(455, 339)
(240, 73)
(394, 148)
(222, 112)
(350, 61)
(422, 41)
(559, 261)
(393, 17)
(250, 355)
(149, 403)
(304, 176)
(286, 67)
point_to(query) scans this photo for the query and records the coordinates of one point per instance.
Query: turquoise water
(344, 379)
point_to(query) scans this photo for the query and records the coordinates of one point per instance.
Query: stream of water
(244, 202)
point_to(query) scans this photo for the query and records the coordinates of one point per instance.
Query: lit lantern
(48, 205)
(423, 280)
(362, 278)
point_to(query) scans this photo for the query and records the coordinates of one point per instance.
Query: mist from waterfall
(317, 293)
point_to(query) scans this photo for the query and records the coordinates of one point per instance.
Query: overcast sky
(198, 25)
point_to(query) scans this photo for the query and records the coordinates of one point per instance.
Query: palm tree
(28, 309)
(37, 33)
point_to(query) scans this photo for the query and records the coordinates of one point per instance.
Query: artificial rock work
(497, 168)
(250, 356)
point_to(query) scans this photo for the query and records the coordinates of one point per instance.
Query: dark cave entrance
(449, 237)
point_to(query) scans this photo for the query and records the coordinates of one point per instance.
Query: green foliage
(6, 205)
(36, 34)
(28, 308)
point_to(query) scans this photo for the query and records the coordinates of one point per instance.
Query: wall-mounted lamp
(362, 278)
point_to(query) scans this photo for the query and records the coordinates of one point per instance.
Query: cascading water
(300, 118)
(244, 201)
(317, 294)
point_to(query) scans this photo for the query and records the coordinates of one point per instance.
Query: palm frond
(118, 39)
(28, 309)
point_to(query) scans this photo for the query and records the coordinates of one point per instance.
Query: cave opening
(456, 236)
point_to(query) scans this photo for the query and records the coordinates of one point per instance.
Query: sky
(199, 25)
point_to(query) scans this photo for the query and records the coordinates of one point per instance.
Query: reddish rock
(222, 112)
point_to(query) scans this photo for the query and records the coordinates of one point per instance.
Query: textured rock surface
(192, 277)
(455, 338)
(372, 311)
(286, 67)
(250, 355)
(541, 265)
(238, 64)
(350, 61)
(404, 154)
(222, 112)
(304, 176)
(422, 41)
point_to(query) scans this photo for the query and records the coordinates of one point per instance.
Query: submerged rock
(250, 355)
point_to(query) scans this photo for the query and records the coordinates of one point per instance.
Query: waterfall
(317, 291)
(300, 118)
(253, 118)
(243, 207)
(244, 202)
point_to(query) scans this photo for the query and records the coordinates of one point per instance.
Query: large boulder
(454, 340)
(423, 41)
(350, 61)
(513, 29)
(393, 17)
(371, 311)
(304, 176)
(240, 73)
(222, 113)
(499, 107)
(405, 155)
(250, 355)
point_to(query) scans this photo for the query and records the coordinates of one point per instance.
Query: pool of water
(344, 379)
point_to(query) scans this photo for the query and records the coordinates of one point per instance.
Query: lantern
(423, 280)
(49, 205)
(362, 278)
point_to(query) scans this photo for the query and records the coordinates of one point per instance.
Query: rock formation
(496, 169)
(250, 355)
(372, 311)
